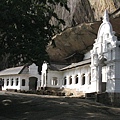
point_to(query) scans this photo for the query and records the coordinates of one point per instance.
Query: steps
(73, 92)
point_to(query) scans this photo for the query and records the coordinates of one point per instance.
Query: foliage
(25, 29)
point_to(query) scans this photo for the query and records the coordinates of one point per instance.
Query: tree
(25, 29)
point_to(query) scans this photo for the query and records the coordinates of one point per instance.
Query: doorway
(104, 78)
(33, 83)
(102, 74)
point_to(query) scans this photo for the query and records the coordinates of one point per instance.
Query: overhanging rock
(76, 39)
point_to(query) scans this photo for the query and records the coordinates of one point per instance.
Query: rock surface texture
(82, 23)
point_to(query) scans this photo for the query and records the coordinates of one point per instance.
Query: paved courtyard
(16, 106)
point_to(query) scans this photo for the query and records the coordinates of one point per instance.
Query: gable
(33, 69)
(25, 70)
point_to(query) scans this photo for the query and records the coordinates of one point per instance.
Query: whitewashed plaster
(73, 73)
(27, 72)
(105, 57)
(87, 55)
(51, 75)
(104, 67)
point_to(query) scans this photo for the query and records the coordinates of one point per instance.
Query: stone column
(86, 79)
(100, 78)
(79, 79)
(14, 81)
(67, 80)
(38, 83)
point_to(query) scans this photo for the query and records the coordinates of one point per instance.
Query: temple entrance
(33, 83)
(102, 75)
(104, 78)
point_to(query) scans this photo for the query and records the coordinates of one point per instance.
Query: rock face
(76, 39)
(82, 23)
(82, 11)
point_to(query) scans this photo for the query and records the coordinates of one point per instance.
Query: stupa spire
(106, 16)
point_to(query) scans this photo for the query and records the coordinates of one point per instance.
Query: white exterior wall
(26, 77)
(14, 86)
(58, 75)
(31, 71)
(86, 88)
(106, 52)
(110, 88)
(9, 86)
(104, 74)
(87, 56)
(48, 75)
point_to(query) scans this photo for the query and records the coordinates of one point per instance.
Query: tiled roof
(11, 71)
(55, 67)
(73, 65)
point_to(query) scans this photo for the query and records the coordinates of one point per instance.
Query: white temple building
(20, 78)
(99, 70)
(97, 73)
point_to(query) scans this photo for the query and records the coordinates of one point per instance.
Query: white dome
(105, 27)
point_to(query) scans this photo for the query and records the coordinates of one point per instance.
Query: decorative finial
(106, 16)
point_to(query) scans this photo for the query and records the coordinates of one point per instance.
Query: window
(17, 81)
(83, 79)
(65, 81)
(12, 82)
(89, 79)
(76, 79)
(70, 78)
(23, 82)
(2, 82)
(54, 81)
(7, 82)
